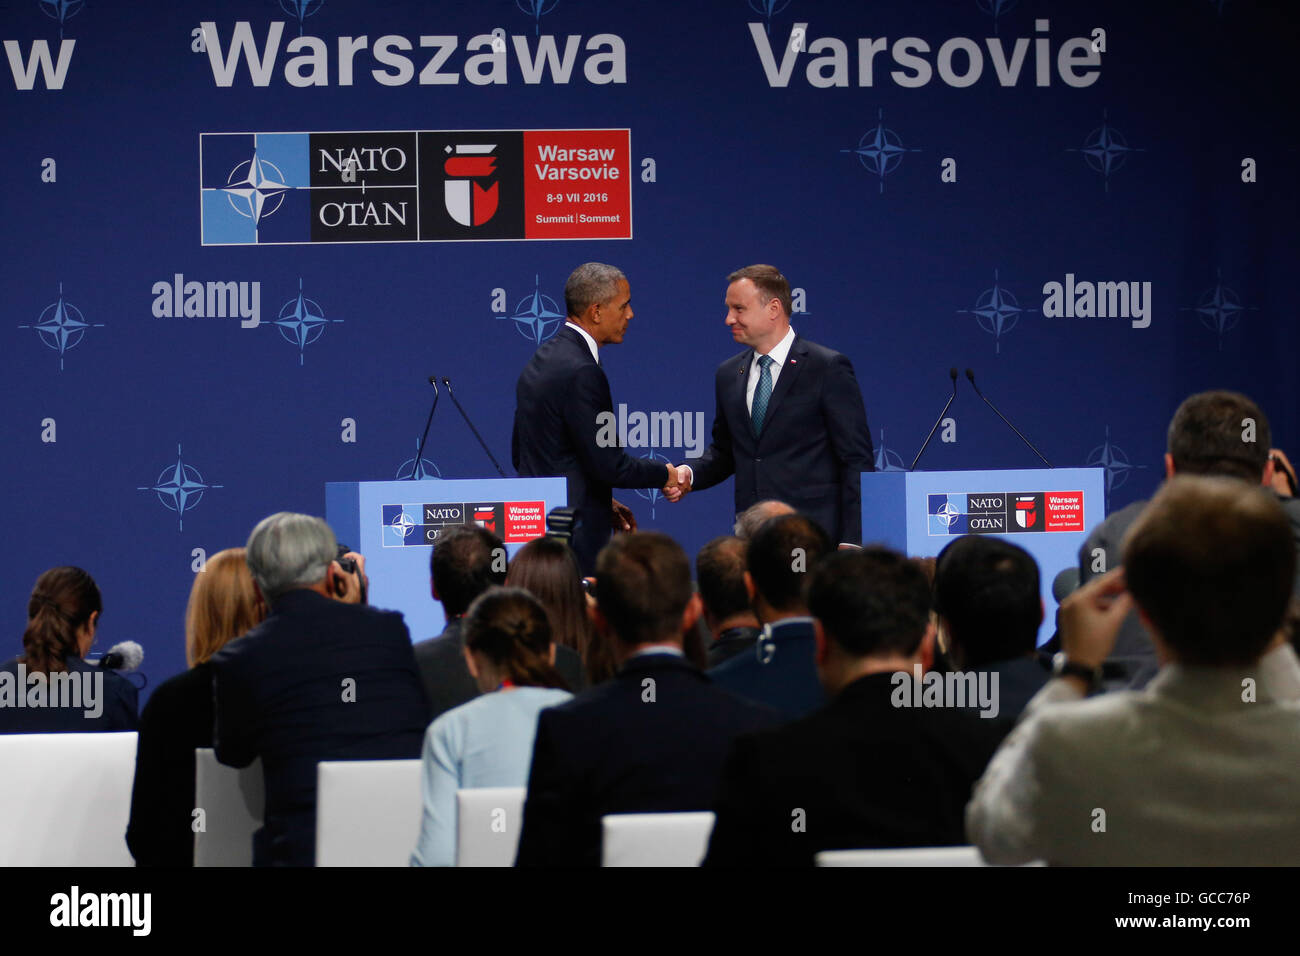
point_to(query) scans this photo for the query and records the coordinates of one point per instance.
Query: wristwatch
(1062, 666)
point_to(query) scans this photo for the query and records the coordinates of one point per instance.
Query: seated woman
(50, 688)
(546, 568)
(178, 717)
(488, 742)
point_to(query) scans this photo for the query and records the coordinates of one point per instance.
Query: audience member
(178, 717)
(780, 669)
(986, 592)
(1284, 477)
(720, 575)
(466, 561)
(882, 765)
(488, 742)
(1202, 767)
(650, 740)
(324, 677)
(753, 517)
(50, 688)
(548, 569)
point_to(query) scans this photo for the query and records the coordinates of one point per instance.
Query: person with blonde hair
(178, 718)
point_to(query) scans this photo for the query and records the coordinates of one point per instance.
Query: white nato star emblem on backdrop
(255, 188)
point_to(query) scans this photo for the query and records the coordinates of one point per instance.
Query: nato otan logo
(997, 311)
(1219, 308)
(886, 458)
(1114, 462)
(653, 495)
(302, 321)
(537, 9)
(880, 150)
(1105, 150)
(537, 316)
(62, 326)
(180, 487)
(418, 471)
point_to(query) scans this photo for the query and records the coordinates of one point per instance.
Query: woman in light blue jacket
(488, 742)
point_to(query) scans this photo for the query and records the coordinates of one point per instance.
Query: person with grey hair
(562, 403)
(323, 677)
(753, 517)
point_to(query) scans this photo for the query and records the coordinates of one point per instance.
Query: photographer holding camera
(324, 677)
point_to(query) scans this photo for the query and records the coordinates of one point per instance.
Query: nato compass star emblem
(301, 9)
(302, 321)
(180, 488)
(255, 188)
(402, 524)
(62, 326)
(409, 469)
(948, 514)
(537, 9)
(995, 9)
(767, 9)
(1112, 460)
(880, 150)
(537, 317)
(997, 311)
(653, 495)
(886, 458)
(1220, 308)
(1105, 150)
(61, 10)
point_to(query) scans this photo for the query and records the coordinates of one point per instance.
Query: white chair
(655, 839)
(233, 802)
(488, 823)
(65, 799)
(367, 812)
(912, 856)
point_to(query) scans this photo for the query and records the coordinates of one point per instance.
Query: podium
(395, 524)
(1046, 511)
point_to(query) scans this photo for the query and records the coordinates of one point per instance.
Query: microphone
(971, 376)
(1065, 584)
(447, 384)
(126, 656)
(952, 374)
(419, 451)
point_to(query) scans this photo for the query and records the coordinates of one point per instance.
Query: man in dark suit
(781, 670)
(720, 576)
(466, 561)
(790, 423)
(563, 412)
(324, 677)
(652, 739)
(871, 769)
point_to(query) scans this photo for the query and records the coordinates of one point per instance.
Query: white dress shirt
(779, 353)
(591, 343)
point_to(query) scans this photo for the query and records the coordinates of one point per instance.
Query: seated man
(651, 739)
(876, 767)
(324, 677)
(720, 575)
(1202, 768)
(986, 595)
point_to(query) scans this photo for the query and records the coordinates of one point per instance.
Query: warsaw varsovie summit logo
(179, 488)
(470, 191)
(62, 326)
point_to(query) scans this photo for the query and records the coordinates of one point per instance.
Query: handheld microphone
(126, 656)
(952, 374)
(971, 376)
(447, 384)
(419, 451)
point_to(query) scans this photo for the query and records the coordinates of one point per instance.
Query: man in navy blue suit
(562, 400)
(790, 422)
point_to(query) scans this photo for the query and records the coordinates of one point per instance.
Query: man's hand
(624, 520)
(679, 482)
(1091, 618)
(351, 588)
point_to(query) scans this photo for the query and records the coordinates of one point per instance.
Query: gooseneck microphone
(971, 376)
(952, 374)
(419, 452)
(447, 384)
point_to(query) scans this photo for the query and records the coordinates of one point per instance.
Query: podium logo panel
(416, 525)
(1016, 512)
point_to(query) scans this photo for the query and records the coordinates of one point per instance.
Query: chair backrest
(233, 802)
(65, 799)
(367, 812)
(912, 856)
(488, 823)
(655, 839)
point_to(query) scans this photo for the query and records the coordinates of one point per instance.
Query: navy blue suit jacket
(279, 694)
(560, 393)
(612, 750)
(784, 677)
(814, 444)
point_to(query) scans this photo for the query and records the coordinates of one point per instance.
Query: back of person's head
(753, 517)
(61, 604)
(223, 605)
(987, 590)
(1211, 562)
(643, 584)
(467, 560)
(547, 569)
(288, 551)
(720, 575)
(509, 627)
(871, 603)
(1209, 434)
(780, 554)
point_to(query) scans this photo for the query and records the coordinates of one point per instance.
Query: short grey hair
(755, 516)
(590, 283)
(288, 551)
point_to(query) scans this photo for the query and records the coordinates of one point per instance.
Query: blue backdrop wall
(922, 171)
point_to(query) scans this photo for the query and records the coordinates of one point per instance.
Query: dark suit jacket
(814, 445)
(117, 702)
(732, 641)
(559, 394)
(280, 695)
(785, 679)
(447, 680)
(864, 773)
(610, 750)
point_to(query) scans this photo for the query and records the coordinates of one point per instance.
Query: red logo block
(1064, 510)
(525, 520)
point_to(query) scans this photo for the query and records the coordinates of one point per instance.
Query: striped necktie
(762, 393)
